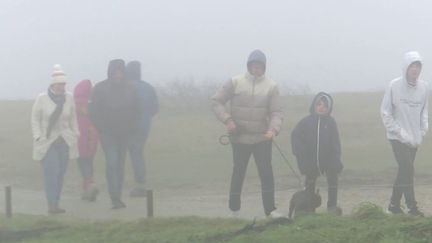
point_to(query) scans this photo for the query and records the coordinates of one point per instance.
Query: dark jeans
(262, 153)
(136, 152)
(115, 148)
(54, 166)
(332, 184)
(404, 183)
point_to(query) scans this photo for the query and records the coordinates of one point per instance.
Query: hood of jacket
(114, 66)
(317, 98)
(409, 58)
(83, 90)
(256, 56)
(133, 71)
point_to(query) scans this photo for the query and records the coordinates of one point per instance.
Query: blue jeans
(54, 166)
(115, 148)
(136, 152)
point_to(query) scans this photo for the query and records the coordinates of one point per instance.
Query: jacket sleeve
(295, 143)
(36, 117)
(222, 96)
(335, 139)
(390, 123)
(95, 108)
(154, 109)
(298, 147)
(276, 115)
(425, 114)
(137, 110)
(74, 120)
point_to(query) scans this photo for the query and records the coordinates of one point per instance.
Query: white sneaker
(235, 214)
(275, 215)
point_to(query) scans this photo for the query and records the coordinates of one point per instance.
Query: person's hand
(231, 127)
(269, 135)
(406, 138)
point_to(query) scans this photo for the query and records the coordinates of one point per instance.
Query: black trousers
(262, 153)
(404, 183)
(332, 184)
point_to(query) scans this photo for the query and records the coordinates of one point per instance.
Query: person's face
(413, 72)
(119, 75)
(257, 69)
(321, 108)
(58, 89)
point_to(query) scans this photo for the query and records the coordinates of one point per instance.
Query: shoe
(335, 210)
(234, 214)
(138, 192)
(395, 209)
(93, 194)
(416, 212)
(86, 195)
(56, 210)
(118, 204)
(275, 215)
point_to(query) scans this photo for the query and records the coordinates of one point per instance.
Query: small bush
(367, 210)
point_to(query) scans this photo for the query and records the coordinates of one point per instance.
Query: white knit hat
(58, 76)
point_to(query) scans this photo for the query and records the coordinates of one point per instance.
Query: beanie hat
(58, 76)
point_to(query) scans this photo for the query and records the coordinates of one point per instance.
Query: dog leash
(226, 140)
(288, 163)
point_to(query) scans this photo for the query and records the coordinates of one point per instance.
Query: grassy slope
(367, 224)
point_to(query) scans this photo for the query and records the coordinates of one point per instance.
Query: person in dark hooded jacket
(115, 110)
(315, 143)
(150, 106)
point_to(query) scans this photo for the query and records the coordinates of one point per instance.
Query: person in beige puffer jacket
(253, 119)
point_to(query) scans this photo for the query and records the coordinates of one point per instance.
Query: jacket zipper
(253, 99)
(318, 141)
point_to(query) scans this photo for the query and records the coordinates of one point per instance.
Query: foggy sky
(334, 45)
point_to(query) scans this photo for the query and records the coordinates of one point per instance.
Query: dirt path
(199, 202)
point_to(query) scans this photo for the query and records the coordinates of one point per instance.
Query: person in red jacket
(88, 140)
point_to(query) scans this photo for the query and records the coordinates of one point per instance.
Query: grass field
(367, 224)
(185, 161)
(183, 148)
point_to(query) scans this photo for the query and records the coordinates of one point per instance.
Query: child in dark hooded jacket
(315, 143)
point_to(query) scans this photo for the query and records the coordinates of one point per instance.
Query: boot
(54, 209)
(138, 191)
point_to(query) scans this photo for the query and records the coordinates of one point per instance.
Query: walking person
(253, 120)
(404, 111)
(55, 135)
(150, 107)
(115, 110)
(88, 140)
(316, 144)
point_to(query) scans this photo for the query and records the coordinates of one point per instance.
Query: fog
(335, 45)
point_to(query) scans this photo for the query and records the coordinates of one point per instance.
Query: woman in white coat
(55, 135)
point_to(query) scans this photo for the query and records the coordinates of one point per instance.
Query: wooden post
(8, 198)
(150, 210)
